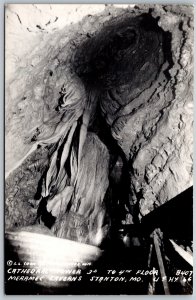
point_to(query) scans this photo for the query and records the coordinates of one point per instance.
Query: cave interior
(116, 64)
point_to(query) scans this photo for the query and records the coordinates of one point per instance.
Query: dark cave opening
(118, 54)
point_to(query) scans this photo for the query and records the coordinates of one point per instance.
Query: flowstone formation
(99, 122)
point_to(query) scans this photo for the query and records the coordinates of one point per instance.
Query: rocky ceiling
(124, 73)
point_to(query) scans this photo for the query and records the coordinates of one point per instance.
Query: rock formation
(104, 102)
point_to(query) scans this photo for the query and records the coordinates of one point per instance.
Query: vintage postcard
(98, 149)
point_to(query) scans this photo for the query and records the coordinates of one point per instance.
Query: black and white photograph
(98, 149)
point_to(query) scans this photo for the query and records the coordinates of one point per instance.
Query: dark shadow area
(175, 217)
(118, 53)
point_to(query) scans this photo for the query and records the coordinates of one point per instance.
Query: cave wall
(158, 137)
(154, 130)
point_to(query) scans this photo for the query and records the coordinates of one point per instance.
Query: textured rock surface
(152, 125)
(161, 147)
(21, 188)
